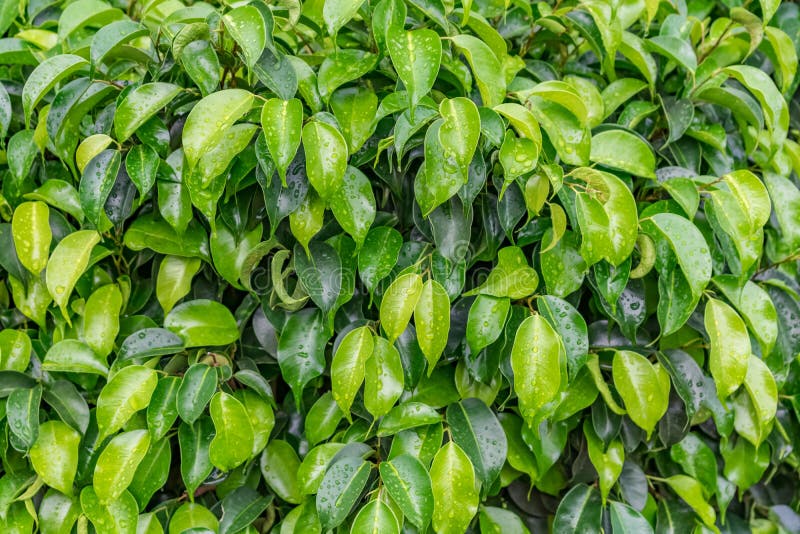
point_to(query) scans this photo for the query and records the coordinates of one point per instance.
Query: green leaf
(378, 255)
(644, 388)
(301, 350)
(174, 280)
(152, 473)
(101, 320)
(210, 120)
(678, 241)
(139, 105)
(96, 183)
(609, 146)
(126, 393)
(234, 436)
(485, 322)
(756, 406)
(355, 109)
(190, 516)
(375, 517)
(116, 517)
(337, 13)
(776, 112)
(607, 460)
(408, 483)
(282, 121)
(67, 263)
(416, 56)
(323, 418)
(240, 508)
(347, 367)
(729, 353)
(202, 322)
(691, 491)
(407, 415)
(326, 157)
(54, 455)
(246, 25)
(117, 464)
(353, 205)
(626, 519)
(493, 519)
(198, 385)
(455, 497)
(383, 374)
(149, 342)
(45, 76)
(73, 356)
(485, 66)
(58, 513)
(539, 363)
(460, 130)
(30, 228)
(15, 350)
(22, 413)
(512, 276)
(477, 431)
(194, 441)
(398, 304)
(340, 490)
(432, 321)
(579, 511)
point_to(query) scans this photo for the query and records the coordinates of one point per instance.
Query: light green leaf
(45, 76)
(455, 497)
(353, 205)
(644, 388)
(73, 356)
(347, 367)
(139, 105)
(282, 121)
(174, 280)
(607, 460)
(416, 56)
(67, 263)
(622, 150)
(101, 320)
(756, 406)
(247, 27)
(398, 304)
(30, 228)
(326, 157)
(126, 393)
(512, 276)
(54, 456)
(202, 322)
(384, 378)
(486, 68)
(539, 363)
(432, 320)
(234, 436)
(337, 13)
(280, 466)
(117, 464)
(408, 483)
(460, 130)
(691, 491)
(729, 354)
(210, 120)
(355, 109)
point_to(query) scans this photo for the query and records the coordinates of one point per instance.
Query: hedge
(399, 266)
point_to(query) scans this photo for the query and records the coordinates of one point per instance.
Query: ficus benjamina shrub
(384, 266)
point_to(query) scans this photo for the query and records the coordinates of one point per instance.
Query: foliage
(399, 265)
